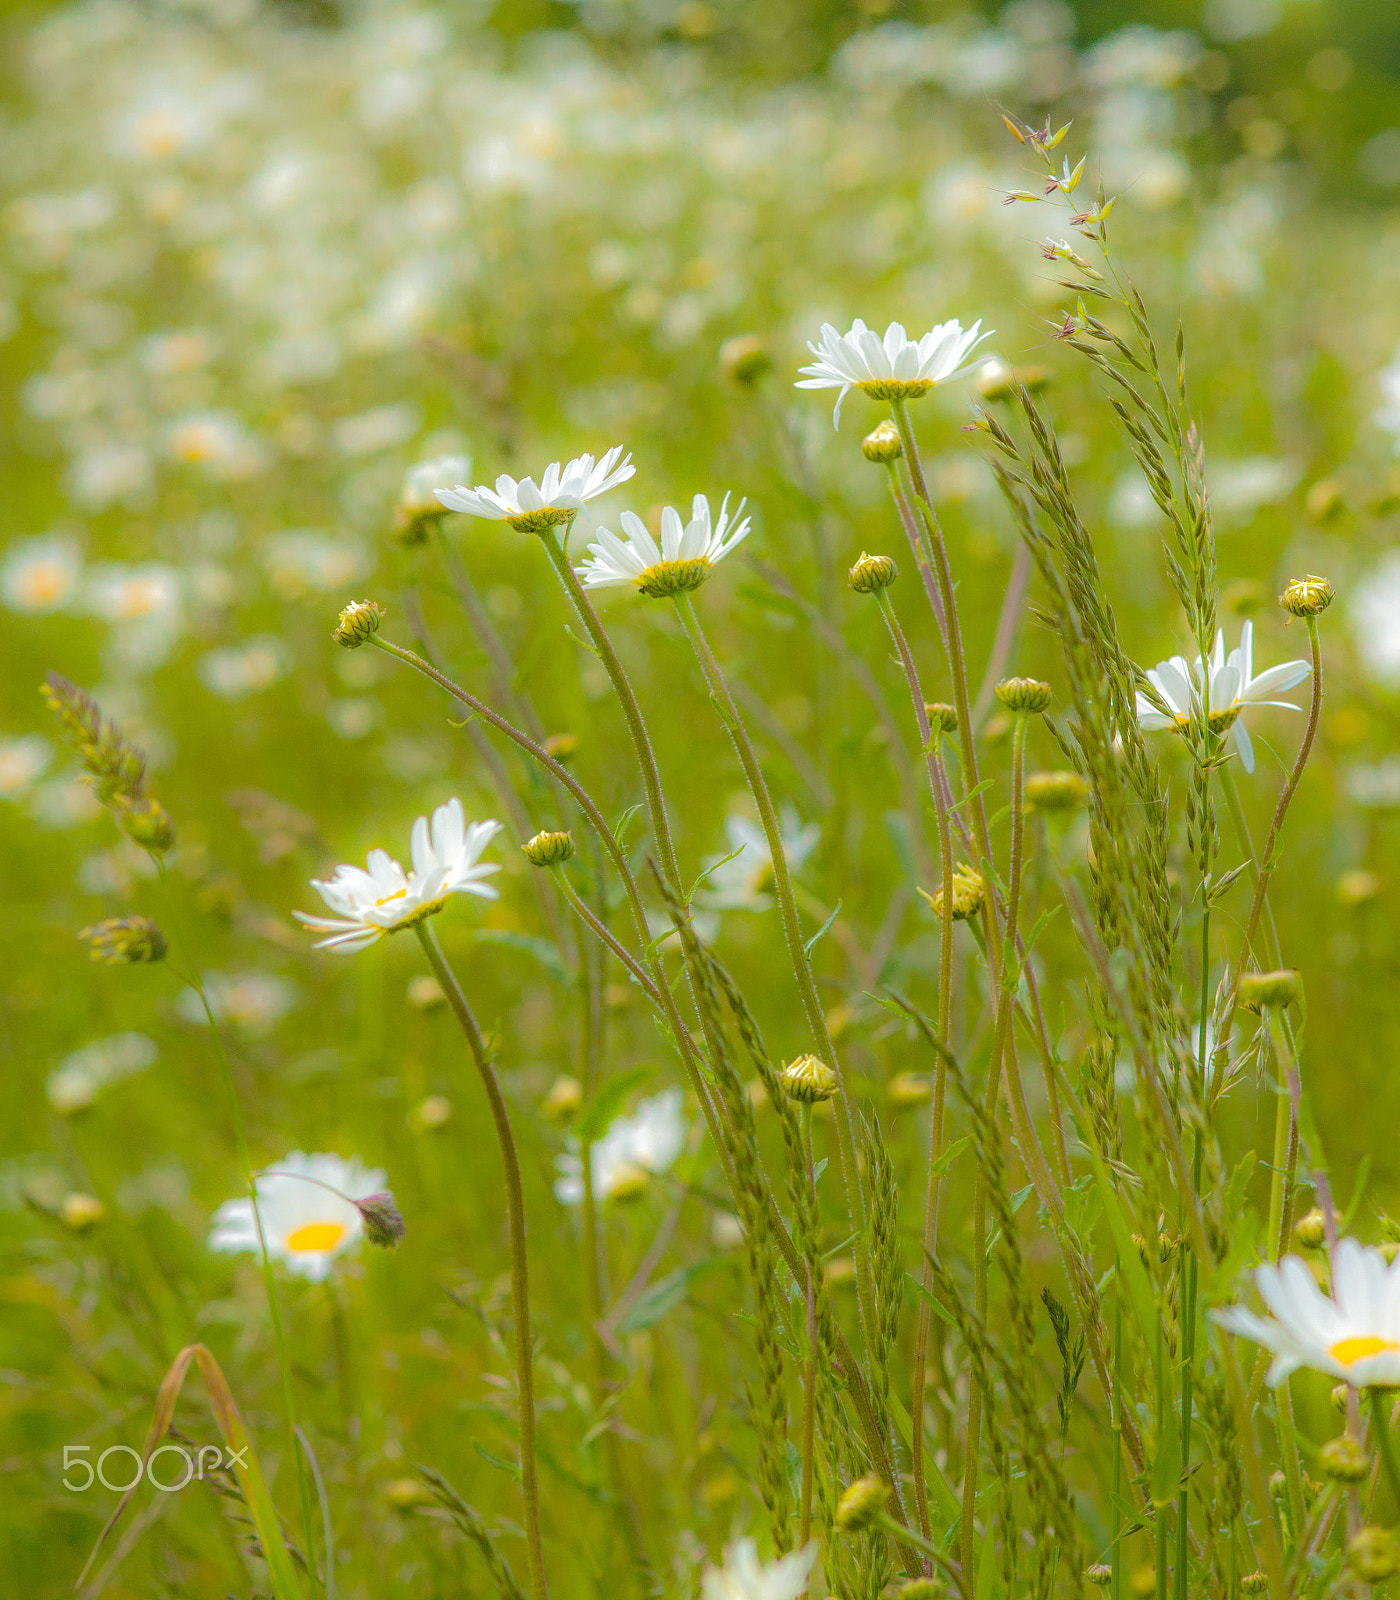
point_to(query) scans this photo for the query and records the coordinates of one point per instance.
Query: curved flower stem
(809, 1365)
(933, 757)
(1267, 861)
(792, 928)
(519, 1270)
(279, 1332)
(557, 552)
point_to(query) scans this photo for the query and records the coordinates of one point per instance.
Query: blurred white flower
(744, 1577)
(381, 897)
(246, 668)
(683, 559)
(22, 762)
(1376, 787)
(648, 1141)
(256, 1001)
(41, 574)
(1387, 415)
(558, 497)
(1375, 615)
(381, 428)
(100, 475)
(80, 1077)
(1231, 686)
(304, 561)
(1352, 1334)
(418, 497)
(1238, 488)
(894, 368)
(305, 1225)
(217, 442)
(144, 606)
(740, 882)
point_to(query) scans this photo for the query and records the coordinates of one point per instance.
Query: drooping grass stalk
(933, 757)
(519, 1268)
(797, 950)
(279, 1333)
(556, 548)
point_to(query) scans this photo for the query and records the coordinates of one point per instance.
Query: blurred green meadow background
(257, 260)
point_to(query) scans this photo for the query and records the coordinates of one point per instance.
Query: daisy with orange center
(308, 1211)
(1352, 1334)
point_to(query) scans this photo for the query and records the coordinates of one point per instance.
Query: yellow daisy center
(1346, 1351)
(44, 584)
(316, 1236)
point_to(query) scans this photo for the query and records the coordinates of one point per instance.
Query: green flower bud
(942, 718)
(861, 1504)
(1100, 1574)
(968, 894)
(882, 445)
(564, 1100)
(872, 573)
(1023, 694)
(921, 1589)
(1306, 597)
(1272, 989)
(1374, 1555)
(744, 360)
(1254, 1583)
(79, 1212)
(358, 621)
(1344, 1460)
(548, 849)
(1310, 1229)
(808, 1079)
(124, 941)
(1055, 791)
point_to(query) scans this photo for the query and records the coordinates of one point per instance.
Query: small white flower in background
(419, 495)
(244, 669)
(744, 1577)
(22, 762)
(256, 1001)
(1232, 686)
(381, 897)
(1375, 618)
(217, 442)
(682, 560)
(305, 1225)
(41, 574)
(648, 1141)
(303, 561)
(1387, 416)
(895, 368)
(1375, 786)
(741, 883)
(531, 507)
(1352, 1334)
(81, 1076)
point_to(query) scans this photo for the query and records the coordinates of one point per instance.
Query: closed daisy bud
(548, 849)
(1055, 791)
(745, 360)
(123, 941)
(921, 1589)
(1374, 1555)
(1023, 694)
(358, 621)
(942, 718)
(384, 1224)
(1343, 1460)
(147, 822)
(882, 445)
(629, 1182)
(1310, 1229)
(561, 746)
(425, 992)
(79, 1212)
(1254, 1583)
(861, 1504)
(1100, 1574)
(872, 573)
(565, 1097)
(1143, 1582)
(808, 1079)
(968, 894)
(1338, 1396)
(1306, 597)
(1272, 989)
(1278, 1485)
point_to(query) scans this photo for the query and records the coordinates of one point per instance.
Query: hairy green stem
(519, 1267)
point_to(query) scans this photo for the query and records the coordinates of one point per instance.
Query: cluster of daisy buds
(124, 941)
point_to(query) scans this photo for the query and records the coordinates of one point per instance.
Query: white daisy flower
(557, 498)
(895, 368)
(1375, 619)
(305, 1225)
(23, 762)
(1353, 1334)
(1231, 683)
(632, 1149)
(744, 1577)
(41, 574)
(683, 559)
(419, 496)
(740, 880)
(381, 897)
